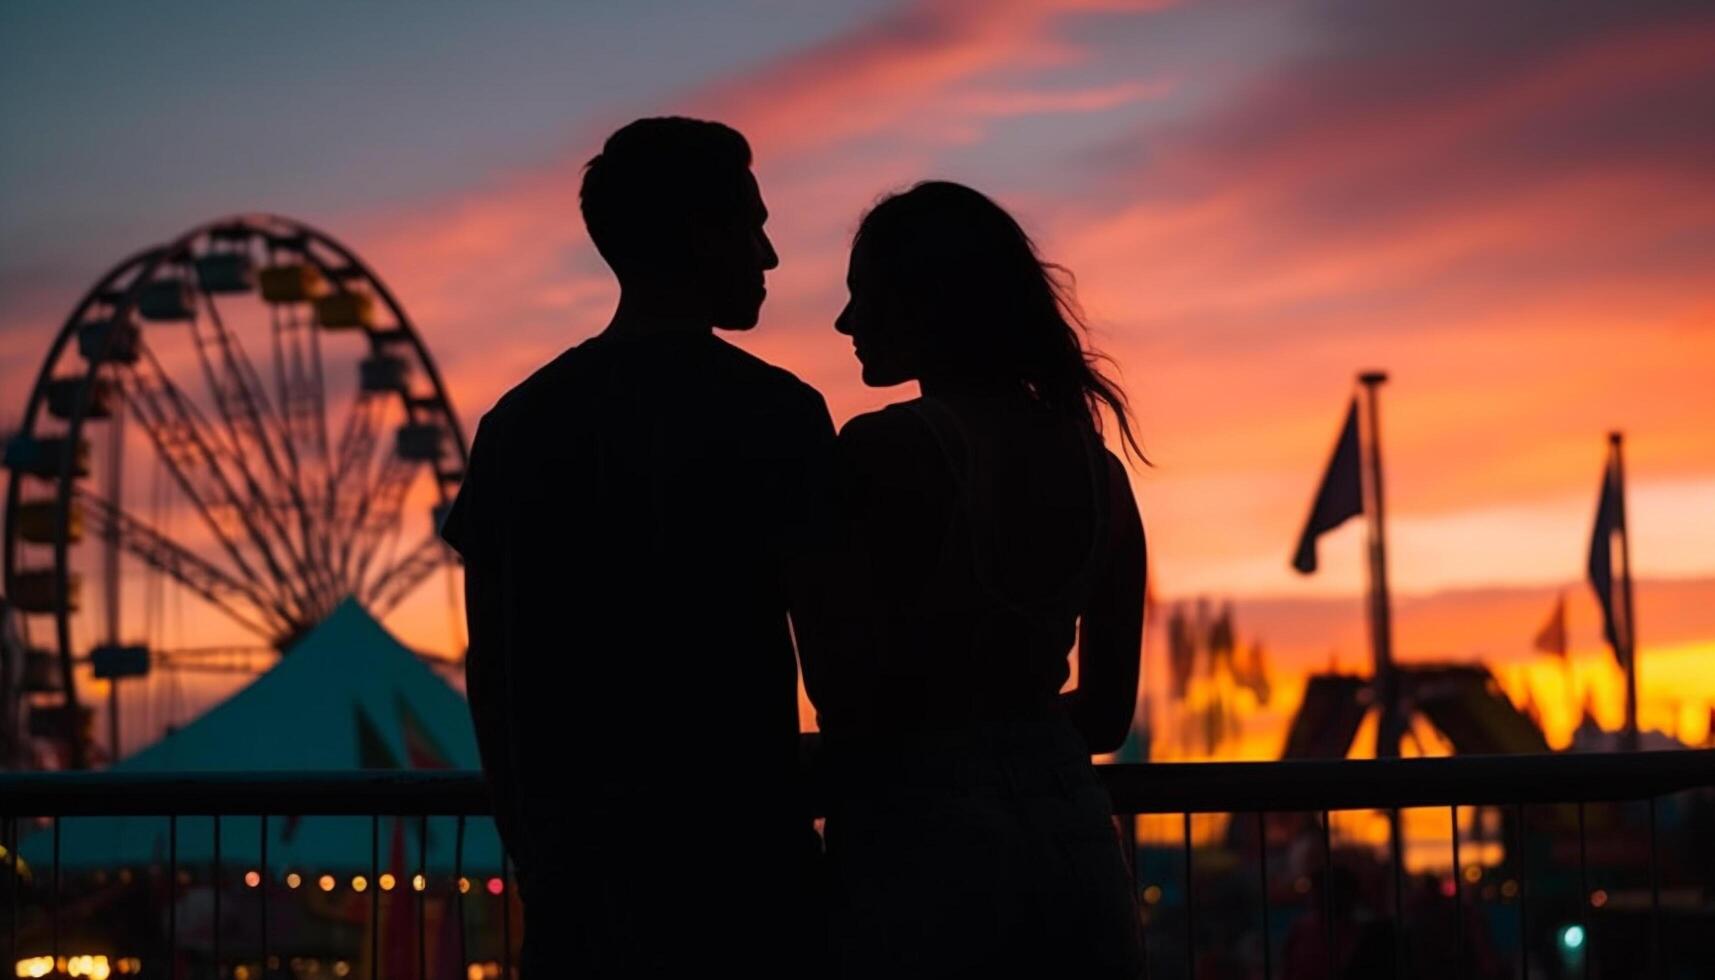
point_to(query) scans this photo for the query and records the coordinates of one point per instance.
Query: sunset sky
(1510, 207)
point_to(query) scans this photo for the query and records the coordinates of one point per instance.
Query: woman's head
(946, 285)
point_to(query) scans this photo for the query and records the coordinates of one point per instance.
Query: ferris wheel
(244, 415)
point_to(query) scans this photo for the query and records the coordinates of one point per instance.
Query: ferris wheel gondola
(297, 474)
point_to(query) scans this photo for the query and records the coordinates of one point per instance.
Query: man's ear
(704, 240)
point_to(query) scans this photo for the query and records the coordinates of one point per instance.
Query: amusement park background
(1509, 210)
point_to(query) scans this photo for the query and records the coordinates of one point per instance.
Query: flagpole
(1617, 441)
(1391, 727)
(110, 556)
(1566, 672)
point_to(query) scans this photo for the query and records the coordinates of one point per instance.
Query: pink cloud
(1091, 99)
(885, 72)
(515, 250)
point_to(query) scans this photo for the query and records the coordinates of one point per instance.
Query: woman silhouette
(984, 531)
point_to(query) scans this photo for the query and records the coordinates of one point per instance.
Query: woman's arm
(828, 572)
(1111, 633)
(874, 512)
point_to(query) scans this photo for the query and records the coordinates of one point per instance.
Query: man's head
(671, 205)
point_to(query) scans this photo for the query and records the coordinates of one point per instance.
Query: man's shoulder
(795, 409)
(764, 378)
(555, 390)
(552, 381)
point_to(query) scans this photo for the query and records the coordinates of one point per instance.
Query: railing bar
(1654, 896)
(1523, 890)
(1584, 892)
(375, 896)
(505, 914)
(1328, 889)
(173, 896)
(1126, 826)
(215, 886)
(458, 893)
(1458, 898)
(54, 919)
(1143, 932)
(1142, 788)
(422, 898)
(262, 887)
(1396, 846)
(12, 853)
(1262, 877)
(1190, 908)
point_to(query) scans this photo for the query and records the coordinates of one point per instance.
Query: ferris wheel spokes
(295, 552)
(192, 452)
(382, 502)
(253, 429)
(152, 547)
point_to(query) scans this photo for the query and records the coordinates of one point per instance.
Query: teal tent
(347, 697)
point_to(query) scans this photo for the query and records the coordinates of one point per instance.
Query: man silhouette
(628, 514)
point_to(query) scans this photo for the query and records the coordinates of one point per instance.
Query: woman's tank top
(981, 638)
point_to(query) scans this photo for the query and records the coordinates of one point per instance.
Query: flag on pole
(1254, 674)
(1552, 637)
(1181, 652)
(1222, 642)
(1341, 496)
(1608, 522)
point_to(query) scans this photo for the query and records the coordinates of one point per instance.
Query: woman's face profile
(873, 318)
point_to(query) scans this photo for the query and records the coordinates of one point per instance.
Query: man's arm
(479, 532)
(488, 688)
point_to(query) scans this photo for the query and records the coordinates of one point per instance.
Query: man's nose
(770, 259)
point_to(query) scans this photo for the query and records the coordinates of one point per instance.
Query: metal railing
(1257, 790)
(1252, 792)
(407, 799)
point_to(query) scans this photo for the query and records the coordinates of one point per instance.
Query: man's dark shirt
(625, 523)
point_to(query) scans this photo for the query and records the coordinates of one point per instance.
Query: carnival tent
(348, 696)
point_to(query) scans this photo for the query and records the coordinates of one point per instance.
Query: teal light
(1572, 937)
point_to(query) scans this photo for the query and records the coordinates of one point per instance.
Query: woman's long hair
(967, 275)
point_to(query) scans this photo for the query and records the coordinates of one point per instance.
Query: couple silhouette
(660, 529)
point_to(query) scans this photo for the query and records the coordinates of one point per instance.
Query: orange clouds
(1517, 223)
